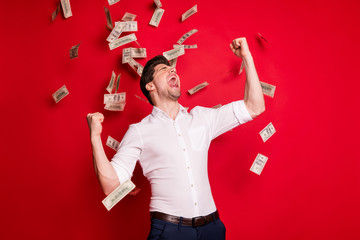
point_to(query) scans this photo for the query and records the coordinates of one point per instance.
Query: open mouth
(173, 81)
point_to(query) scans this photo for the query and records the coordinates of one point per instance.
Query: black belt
(194, 222)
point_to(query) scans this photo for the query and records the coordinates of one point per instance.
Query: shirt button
(188, 168)
(184, 149)
(192, 185)
(196, 204)
(179, 135)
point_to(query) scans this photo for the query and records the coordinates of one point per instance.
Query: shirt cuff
(241, 112)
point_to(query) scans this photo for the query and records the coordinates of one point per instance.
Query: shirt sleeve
(128, 154)
(226, 117)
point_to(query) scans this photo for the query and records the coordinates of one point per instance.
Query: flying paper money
(66, 8)
(263, 38)
(115, 106)
(56, 12)
(109, 23)
(115, 98)
(119, 193)
(185, 46)
(173, 62)
(186, 36)
(198, 87)
(128, 17)
(116, 32)
(267, 132)
(174, 53)
(158, 3)
(156, 17)
(117, 83)
(141, 98)
(110, 87)
(112, 143)
(74, 51)
(258, 164)
(138, 52)
(60, 94)
(122, 41)
(111, 2)
(126, 55)
(189, 13)
(268, 89)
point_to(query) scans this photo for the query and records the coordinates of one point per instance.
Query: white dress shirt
(173, 155)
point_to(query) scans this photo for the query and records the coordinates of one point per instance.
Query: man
(172, 146)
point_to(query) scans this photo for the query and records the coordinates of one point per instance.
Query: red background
(309, 188)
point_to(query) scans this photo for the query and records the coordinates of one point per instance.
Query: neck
(171, 108)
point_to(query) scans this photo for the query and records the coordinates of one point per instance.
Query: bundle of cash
(109, 23)
(156, 17)
(128, 17)
(112, 143)
(174, 53)
(56, 12)
(268, 89)
(186, 36)
(66, 8)
(258, 164)
(189, 13)
(267, 132)
(60, 94)
(122, 41)
(119, 193)
(198, 88)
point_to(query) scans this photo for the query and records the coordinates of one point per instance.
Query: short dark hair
(148, 72)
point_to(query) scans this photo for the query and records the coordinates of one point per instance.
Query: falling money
(56, 12)
(198, 87)
(116, 32)
(268, 89)
(119, 193)
(60, 94)
(112, 143)
(111, 83)
(111, 2)
(66, 8)
(108, 18)
(74, 51)
(158, 3)
(186, 36)
(267, 132)
(263, 38)
(258, 164)
(189, 13)
(185, 46)
(174, 53)
(114, 98)
(156, 17)
(128, 17)
(115, 106)
(173, 62)
(122, 41)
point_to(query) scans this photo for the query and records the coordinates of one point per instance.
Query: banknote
(110, 87)
(115, 32)
(56, 12)
(60, 94)
(158, 3)
(189, 13)
(115, 98)
(117, 82)
(119, 193)
(217, 106)
(174, 53)
(267, 132)
(112, 143)
(130, 26)
(263, 38)
(173, 62)
(128, 17)
(126, 55)
(258, 164)
(66, 8)
(141, 98)
(109, 23)
(139, 70)
(186, 36)
(156, 17)
(135, 191)
(241, 67)
(268, 89)
(122, 41)
(74, 51)
(138, 52)
(115, 106)
(198, 87)
(111, 2)
(186, 46)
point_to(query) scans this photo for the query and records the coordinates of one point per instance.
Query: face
(166, 82)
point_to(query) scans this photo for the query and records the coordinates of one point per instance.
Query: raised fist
(240, 47)
(94, 121)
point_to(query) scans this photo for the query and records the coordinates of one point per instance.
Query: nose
(172, 70)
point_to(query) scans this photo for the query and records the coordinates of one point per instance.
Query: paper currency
(112, 143)
(174, 53)
(56, 12)
(241, 67)
(115, 98)
(122, 41)
(140, 70)
(109, 23)
(110, 87)
(189, 13)
(268, 89)
(117, 82)
(135, 191)
(74, 51)
(186, 36)
(138, 52)
(128, 17)
(137, 67)
(141, 98)
(217, 106)
(130, 26)
(60, 94)
(267, 132)
(185, 46)
(66, 8)
(126, 55)
(119, 193)
(115, 106)
(259, 164)
(111, 2)
(158, 3)
(173, 62)
(115, 32)
(156, 17)
(263, 38)
(198, 87)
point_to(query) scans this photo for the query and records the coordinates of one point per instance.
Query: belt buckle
(196, 219)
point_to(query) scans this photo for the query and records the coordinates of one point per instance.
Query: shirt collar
(157, 112)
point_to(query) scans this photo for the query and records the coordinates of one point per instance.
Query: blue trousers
(161, 230)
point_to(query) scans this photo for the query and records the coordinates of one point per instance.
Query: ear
(150, 86)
